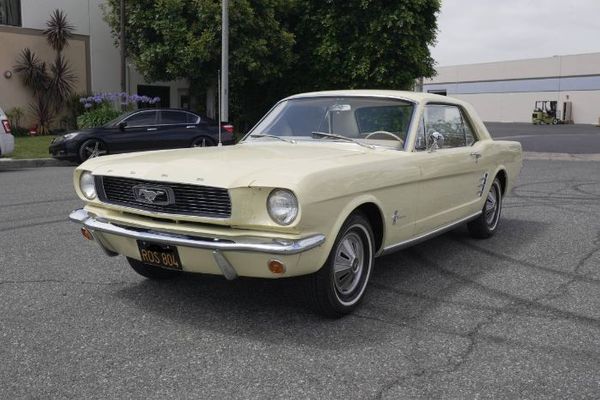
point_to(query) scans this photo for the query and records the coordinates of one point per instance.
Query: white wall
(105, 56)
(35, 13)
(87, 17)
(572, 65)
(506, 91)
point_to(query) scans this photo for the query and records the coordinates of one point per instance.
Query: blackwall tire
(203, 142)
(487, 223)
(339, 286)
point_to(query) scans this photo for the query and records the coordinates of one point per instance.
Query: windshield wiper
(260, 135)
(341, 137)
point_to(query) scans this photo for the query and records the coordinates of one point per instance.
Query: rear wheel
(203, 142)
(487, 223)
(339, 286)
(92, 148)
(150, 271)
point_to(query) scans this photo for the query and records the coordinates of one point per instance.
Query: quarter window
(449, 121)
(192, 118)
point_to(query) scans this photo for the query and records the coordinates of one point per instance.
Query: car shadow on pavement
(421, 288)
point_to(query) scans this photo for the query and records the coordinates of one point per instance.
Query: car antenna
(219, 105)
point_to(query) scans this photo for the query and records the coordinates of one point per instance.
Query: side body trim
(428, 235)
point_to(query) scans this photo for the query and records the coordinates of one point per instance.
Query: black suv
(141, 130)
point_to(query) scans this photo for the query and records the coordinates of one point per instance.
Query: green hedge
(97, 117)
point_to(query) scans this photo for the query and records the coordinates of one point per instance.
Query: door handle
(476, 155)
(151, 129)
(190, 127)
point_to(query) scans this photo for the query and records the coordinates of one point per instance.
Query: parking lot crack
(562, 289)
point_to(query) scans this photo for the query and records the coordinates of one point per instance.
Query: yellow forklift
(544, 112)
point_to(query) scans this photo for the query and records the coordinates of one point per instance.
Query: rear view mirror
(122, 126)
(340, 107)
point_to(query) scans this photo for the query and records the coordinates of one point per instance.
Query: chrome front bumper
(217, 245)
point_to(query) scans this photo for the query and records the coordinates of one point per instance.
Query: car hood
(260, 163)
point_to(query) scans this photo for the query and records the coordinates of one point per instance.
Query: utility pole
(123, 53)
(224, 62)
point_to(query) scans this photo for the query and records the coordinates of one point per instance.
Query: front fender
(344, 206)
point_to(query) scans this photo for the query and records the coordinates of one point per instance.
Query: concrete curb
(561, 156)
(10, 163)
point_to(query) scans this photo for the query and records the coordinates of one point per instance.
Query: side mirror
(122, 126)
(437, 141)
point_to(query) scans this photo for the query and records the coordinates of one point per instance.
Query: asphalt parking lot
(515, 316)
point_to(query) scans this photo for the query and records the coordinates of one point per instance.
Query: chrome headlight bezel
(282, 206)
(87, 186)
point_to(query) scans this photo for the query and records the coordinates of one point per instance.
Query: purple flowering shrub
(104, 107)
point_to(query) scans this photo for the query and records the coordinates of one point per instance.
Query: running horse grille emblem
(158, 195)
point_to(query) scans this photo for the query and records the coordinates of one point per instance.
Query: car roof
(418, 97)
(165, 109)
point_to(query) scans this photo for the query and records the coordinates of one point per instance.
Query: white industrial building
(506, 91)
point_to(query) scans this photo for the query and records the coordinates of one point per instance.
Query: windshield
(369, 120)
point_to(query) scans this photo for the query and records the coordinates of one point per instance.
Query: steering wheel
(384, 133)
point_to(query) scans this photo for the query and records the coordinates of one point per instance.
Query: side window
(448, 120)
(144, 118)
(172, 117)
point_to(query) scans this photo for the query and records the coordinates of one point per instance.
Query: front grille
(196, 200)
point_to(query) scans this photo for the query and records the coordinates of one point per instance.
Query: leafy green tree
(280, 47)
(170, 39)
(364, 43)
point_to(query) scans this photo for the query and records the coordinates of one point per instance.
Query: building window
(10, 12)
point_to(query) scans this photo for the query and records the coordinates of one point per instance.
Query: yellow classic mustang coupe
(322, 185)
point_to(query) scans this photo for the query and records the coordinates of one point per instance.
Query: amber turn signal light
(87, 234)
(276, 267)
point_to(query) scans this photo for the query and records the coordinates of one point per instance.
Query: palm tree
(61, 81)
(33, 71)
(51, 89)
(59, 31)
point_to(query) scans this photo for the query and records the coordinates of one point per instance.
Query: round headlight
(282, 206)
(87, 186)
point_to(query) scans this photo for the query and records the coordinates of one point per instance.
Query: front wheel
(150, 271)
(92, 148)
(486, 224)
(339, 286)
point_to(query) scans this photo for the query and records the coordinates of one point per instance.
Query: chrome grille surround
(194, 200)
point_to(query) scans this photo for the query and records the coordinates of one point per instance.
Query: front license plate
(160, 255)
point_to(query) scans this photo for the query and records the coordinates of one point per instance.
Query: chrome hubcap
(94, 149)
(491, 206)
(349, 263)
